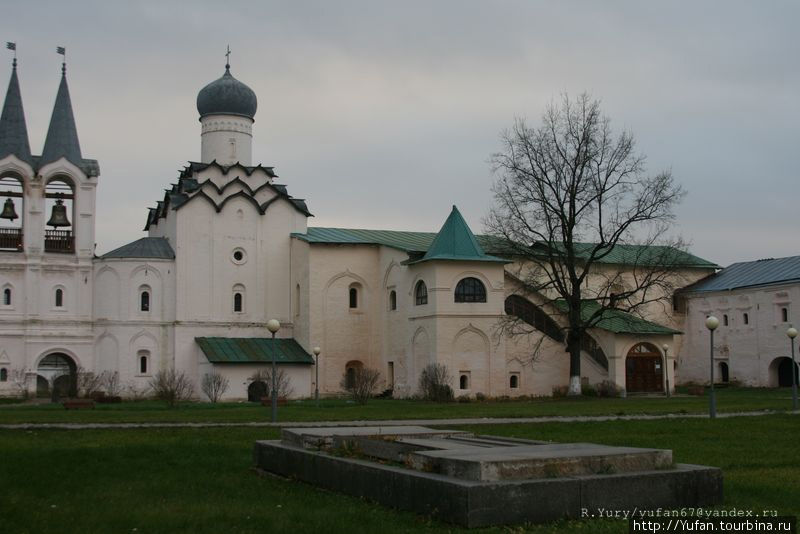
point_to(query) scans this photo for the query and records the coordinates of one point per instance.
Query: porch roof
(253, 350)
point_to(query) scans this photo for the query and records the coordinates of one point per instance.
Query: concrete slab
(538, 461)
(324, 436)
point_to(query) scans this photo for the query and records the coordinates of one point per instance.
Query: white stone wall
(228, 139)
(750, 350)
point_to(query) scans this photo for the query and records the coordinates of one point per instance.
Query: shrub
(560, 391)
(463, 399)
(111, 383)
(137, 393)
(214, 385)
(480, 397)
(283, 382)
(434, 383)
(172, 386)
(607, 388)
(361, 383)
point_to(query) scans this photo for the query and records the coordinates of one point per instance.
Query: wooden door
(644, 369)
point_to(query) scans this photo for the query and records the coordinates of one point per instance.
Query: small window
(513, 381)
(59, 298)
(144, 301)
(470, 290)
(745, 318)
(3, 374)
(353, 298)
(463, 381)
(143, 361)
(7, 296)
(237, 302)
(297, 300)
(421, 293)
(723, 372)
(785, 315)
(238, 256)
(392, 300)
(725, 319)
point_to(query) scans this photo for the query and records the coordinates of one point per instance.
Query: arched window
(463, 381)
(353, 298)
(3, 374)
(392, 300)
(59, 298)
(723, 372)
(725, 320)
(144, 301)
(7, 296)
(528, 312)
(143, 361)
(238, 298)
(470, 290)
(746, 318)
(513, 381)
(421, 293)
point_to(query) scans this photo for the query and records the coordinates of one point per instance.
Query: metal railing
(59, 241)
(11, 239)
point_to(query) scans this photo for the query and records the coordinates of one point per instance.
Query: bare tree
(361, 383)
(172, 386)
(214, 385)
(135, 392)
(111, 383)
(88, 382)
(19, 378)
(434, 383)
(283, 382)
(574, 200)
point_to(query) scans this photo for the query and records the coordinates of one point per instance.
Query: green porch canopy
(252, 350)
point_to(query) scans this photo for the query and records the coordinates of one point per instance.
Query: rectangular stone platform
(484, 480)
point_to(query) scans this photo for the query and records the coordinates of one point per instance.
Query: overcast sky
(384, 114)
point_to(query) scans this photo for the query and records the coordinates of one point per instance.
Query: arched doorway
(643, 369)
(256, 390)
(57, 376)
(350, 373)
(781, 368)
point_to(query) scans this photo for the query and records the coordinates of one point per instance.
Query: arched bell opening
(59, 234)
(11, 220)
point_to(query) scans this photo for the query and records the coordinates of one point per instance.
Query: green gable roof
(618, 321)
(252, 350)
(455, 241)
(644, 255)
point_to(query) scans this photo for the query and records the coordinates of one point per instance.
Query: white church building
(228, 248)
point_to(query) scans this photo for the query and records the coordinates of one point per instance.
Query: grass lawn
(728, 400)
(199, 480)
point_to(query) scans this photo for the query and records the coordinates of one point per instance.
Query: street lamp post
(792, 333)
(316, 352)
(273, 325)
(666, 369)
(712, 323)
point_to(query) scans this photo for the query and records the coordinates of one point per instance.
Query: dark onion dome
(227, 96)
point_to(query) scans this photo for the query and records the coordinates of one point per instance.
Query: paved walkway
(390, 422)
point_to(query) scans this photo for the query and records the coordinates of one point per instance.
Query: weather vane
(228, 58)
(62, 51)
(12, 46)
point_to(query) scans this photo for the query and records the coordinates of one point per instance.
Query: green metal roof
(146, 247)
(252, 350)
(644, 255)
(455, 241)
(618, 321)
(420, 242)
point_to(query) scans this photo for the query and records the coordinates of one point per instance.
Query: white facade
(227, 249)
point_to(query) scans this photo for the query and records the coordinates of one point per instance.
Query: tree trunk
(574, 348)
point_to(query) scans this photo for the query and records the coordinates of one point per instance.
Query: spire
(62, 135)
(13, 131)
(455, 241)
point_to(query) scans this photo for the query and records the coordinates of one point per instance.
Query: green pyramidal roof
(455, 241)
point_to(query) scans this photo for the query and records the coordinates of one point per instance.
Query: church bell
(8, 211)
(59, 215)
